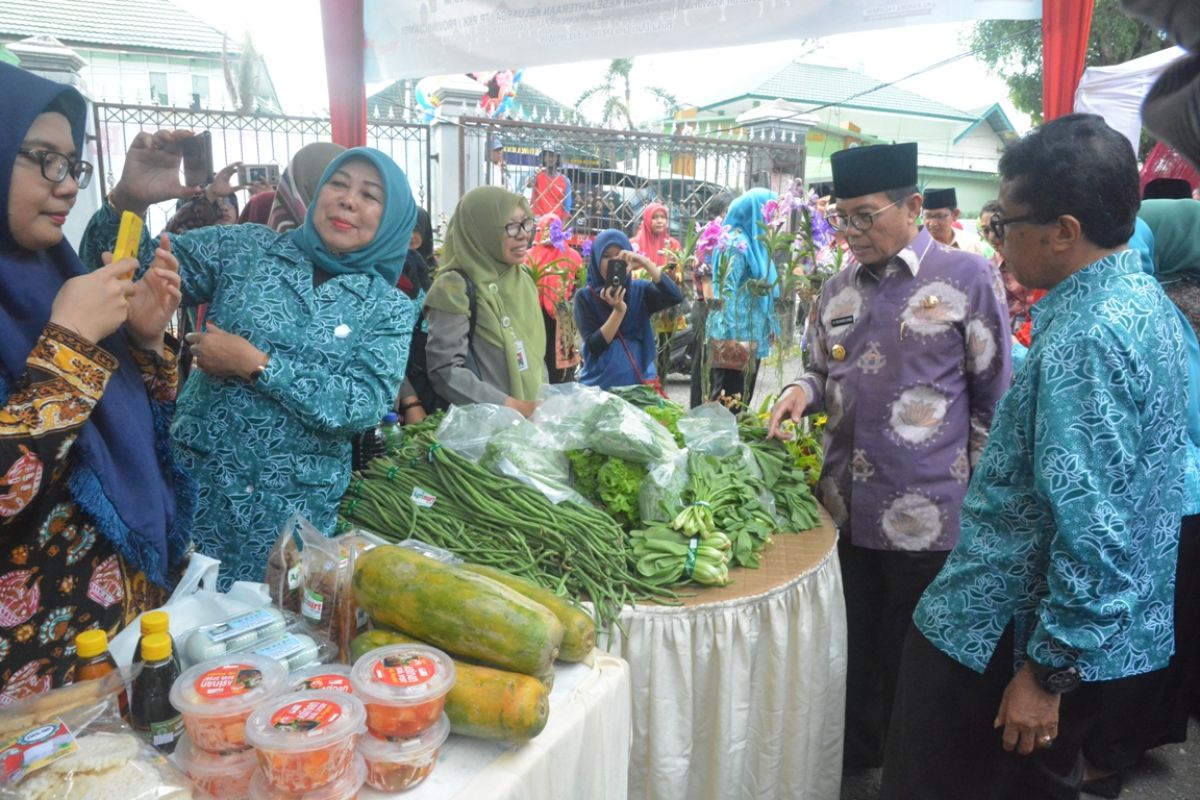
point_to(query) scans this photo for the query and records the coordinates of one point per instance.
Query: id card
(522, 358)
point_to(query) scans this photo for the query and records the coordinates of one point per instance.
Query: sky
(288, 34)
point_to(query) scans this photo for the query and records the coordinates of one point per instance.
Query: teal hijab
(385, 254)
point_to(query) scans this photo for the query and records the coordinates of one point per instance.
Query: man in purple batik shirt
(909, 354)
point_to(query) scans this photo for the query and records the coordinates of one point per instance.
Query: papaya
(461, 612)
(485, 703)
(579, 632)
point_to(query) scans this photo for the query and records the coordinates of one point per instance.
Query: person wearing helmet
(551, 189)
(497, 167)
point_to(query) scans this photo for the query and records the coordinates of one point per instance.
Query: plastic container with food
(404, 688)
(216, 776)
(329, 677)
(216, 697)
(395, 765)
(231, 634)
(305, 740)
(344, 788)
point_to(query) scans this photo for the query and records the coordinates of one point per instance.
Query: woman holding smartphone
(613, 314)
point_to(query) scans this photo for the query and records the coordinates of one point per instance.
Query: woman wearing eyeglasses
(487, 341)
(90, 528)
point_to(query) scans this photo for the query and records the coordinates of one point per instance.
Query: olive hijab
(509, 315)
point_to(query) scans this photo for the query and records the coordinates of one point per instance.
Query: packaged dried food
(394, 765)
(233, 634)
(305, 740)
(285, 573)
(344, 788)
(217, 696)
(327, 597)
(328, 677)
(215, 775)
(403, 687)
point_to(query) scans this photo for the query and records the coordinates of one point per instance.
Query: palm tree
(242, 86)
(616, 98)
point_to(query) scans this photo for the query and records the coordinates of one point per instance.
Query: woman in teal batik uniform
(306, 344)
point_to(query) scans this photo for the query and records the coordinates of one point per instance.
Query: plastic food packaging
(710, 429)
(216, 776)
(296, 648)
(72, 743)
(344, 788)
(623, 430)
(404, 688)
(327, 598)
(397, 765)
(232, 634)
(284, 571)
(326, 677)
(305, 740)
(216, 697)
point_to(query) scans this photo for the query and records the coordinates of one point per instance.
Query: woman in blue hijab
(92, 524)
(614, 318)
(305, 345)
(746, 294)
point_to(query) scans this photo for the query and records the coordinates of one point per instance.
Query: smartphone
(197, 159)
(267, 174)
(617, 272)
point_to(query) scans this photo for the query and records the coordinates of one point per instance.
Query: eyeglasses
(997, 223)
(860, 222)
(56, 167)
(513, 229)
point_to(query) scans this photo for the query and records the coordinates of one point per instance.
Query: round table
(740, 692)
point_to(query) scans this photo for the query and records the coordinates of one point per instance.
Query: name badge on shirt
(838, 322)
(522, 359)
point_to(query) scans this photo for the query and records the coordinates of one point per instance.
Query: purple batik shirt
(908, 369)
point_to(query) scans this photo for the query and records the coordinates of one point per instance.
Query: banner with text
(415, 38)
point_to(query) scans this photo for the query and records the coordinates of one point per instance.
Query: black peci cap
(940, 198)
(1167, 189)
(867, 170)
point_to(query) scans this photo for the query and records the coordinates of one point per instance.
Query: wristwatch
(257, 372)
(1056, 680)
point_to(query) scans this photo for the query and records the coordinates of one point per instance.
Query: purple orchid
(713, 236)
(587, 249)
(558, 235)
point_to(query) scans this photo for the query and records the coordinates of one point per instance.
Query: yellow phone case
(128, 237)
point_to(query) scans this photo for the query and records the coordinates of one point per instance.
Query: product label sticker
(167, 731)
(330, 682)
(239, 625)
(306, 715)
(311, 605)
(423, 498)
(33, 749)
(227, 680)
(522, 358)
(404, 670)
(294, 576)
(282, 648)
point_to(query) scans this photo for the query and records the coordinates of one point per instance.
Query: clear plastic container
(305, 740)
(404, 688)
(220, 777)
(328, 677)
(344, 788)
(231, 634)
(217, 696)
(395, 765)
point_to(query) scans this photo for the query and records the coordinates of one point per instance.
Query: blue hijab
(385, 254)
(636, 323)
(115, 475)
(743, 217)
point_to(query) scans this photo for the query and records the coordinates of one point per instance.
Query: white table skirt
(583, 754)
(742, 698)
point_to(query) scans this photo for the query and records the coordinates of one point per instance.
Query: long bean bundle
(426, 492)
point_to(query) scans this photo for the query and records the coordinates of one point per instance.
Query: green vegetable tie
(689, 563)
(702, 504)
(350, 506)
(433, 448)
(392, 473)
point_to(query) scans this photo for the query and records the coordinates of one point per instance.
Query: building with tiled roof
(142, 52)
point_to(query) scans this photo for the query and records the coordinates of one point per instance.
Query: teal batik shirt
(260, 451)
(1070, 526)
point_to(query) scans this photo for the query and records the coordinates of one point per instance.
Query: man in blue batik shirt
(1064, 572)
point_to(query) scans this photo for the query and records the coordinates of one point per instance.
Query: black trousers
(882, 588)
(942, 746)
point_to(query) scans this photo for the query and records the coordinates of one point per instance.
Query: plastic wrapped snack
(344, 788)
(233, 634)
(305, 740)
(398, 765)
(81, 750)
(327, 603)
(284, 570)
(404, 688)
(217, 697)
(216, 776)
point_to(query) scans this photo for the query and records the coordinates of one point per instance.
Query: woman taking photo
(487, 343)
(91, 526)
(614, 314)
(304, 346)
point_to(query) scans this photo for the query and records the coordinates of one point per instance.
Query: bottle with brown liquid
(93, 661)
(150, 709)
(156, 622)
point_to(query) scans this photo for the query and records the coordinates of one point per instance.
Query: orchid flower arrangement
(558, 237)
(800, 240)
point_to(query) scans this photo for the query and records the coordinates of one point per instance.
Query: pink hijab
(649, 244)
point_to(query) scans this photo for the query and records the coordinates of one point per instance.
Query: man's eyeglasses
(860, 222)
(513, 229)
(56, 167)
(997, 223)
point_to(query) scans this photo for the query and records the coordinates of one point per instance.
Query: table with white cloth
(739, 694)
(583, 753)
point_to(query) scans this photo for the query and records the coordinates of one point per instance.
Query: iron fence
(615, 174)
(251, 139)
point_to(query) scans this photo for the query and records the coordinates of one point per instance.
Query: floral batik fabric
(58, 575)
(1071, 527)
(908, 367)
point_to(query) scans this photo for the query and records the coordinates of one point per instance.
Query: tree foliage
(615, 93)
(1012, 49)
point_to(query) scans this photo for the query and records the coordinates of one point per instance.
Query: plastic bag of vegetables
(563, 414)
(710, 429)
(526, 454)
(467, 429)
(661, 495)
(617, 428)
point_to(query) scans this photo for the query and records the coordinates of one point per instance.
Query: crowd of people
(1012, 444)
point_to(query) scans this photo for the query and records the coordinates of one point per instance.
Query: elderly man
(1064, 573)
(909, 356)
